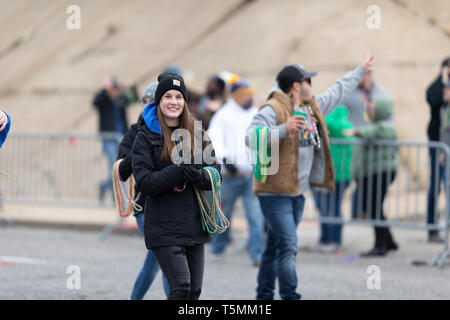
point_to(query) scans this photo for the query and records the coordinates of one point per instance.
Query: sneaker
(392, 246)
(326, 248)
(319, 247)
(218, 256)
(375, 252)
(435, 239)
(337, 249)
(256, 263)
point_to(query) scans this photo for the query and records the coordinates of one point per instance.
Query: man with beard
(302, 151)
(213, 100)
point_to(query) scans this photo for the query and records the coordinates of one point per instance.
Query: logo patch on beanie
(176, 82)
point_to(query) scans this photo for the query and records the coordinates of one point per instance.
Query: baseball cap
(241, 89)
(293, 73)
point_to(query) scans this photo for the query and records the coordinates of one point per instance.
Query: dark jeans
(355, 200)
(283, 214)
(373, 204)
(437, 176)
(183, 268)
(329, 205)
(232, 188)
(110, 149)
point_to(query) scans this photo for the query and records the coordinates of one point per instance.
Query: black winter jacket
(109, 111)
(436, 101)
(125, 168)
(171, 218)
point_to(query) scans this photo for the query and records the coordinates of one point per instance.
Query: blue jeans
(437, 176)
(232, 188)
(110, 149)
(148, 271)
(329, 205)
(283, 215)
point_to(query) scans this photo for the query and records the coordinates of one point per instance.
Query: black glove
(199, 156)
(192, 174)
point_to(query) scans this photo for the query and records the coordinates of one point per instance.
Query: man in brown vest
(299, 150)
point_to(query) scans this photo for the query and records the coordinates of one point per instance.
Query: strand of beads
(213, 219)
(121, 195)
(315, 136)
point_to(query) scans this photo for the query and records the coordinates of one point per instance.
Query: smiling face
(172, 104)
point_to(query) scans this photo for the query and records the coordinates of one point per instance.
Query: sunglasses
(307, 80)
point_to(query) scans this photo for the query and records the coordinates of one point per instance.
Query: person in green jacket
(376, 167)
(329, 202)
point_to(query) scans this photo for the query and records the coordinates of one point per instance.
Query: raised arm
(335, 94)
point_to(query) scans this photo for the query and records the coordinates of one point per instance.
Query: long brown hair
(186, 121)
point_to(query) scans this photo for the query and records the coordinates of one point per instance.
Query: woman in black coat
(172, 224)
(435, 100)
(150, 267)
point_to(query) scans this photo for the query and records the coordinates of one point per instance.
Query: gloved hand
(230, 167)
(199, 157)
(192, 174)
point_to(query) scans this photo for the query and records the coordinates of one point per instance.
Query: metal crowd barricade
(65, 169)
(56, 169)
(405, 205)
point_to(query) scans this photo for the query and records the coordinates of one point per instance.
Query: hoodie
(151, 119)
(369, 159)
(339, 125)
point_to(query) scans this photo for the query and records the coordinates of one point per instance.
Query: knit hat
(169, 81)
(172, 69)
(150, 91)
(292, 73)
(229, 77)
(241, 89)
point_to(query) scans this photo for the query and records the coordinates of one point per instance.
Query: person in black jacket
(111, 104)
(150, 267)
(172, 225)
(436, 101)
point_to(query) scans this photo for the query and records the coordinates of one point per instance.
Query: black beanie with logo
(170, 81)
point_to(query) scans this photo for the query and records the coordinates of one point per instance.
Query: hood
(275, 88)
(151, 119)
(338, 121)
(383, 109)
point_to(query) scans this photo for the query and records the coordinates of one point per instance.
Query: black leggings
(183, 267)
(375, 189)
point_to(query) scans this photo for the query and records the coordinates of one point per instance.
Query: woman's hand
(192, 174)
